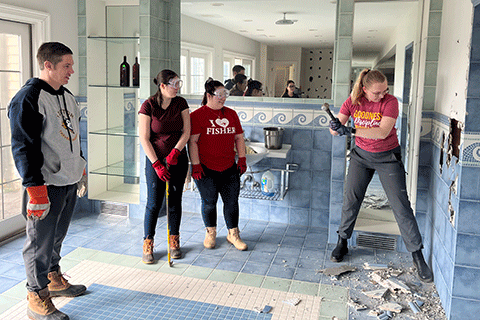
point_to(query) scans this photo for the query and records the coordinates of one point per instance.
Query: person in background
(164, 129)
(216, 131)
(374, 112)
(237, 69)
(254, 89)
(240, 81)
(290, 90)
(45, 125)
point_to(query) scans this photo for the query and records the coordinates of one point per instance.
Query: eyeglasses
(291, 86)
(378, 94)
(222, 93)
(175, 84)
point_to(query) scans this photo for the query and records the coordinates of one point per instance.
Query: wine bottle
(136, 73)
(124, 73)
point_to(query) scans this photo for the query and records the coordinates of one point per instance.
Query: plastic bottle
(267, 185)
(124, 73)
(136, 73)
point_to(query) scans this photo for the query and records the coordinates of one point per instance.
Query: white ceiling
(374, 20)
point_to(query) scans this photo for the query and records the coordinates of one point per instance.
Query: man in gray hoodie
(44, 120)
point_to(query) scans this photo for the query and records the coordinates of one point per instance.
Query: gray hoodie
(45, 135)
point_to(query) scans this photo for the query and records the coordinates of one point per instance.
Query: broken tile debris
(336, 271)
(293, 301)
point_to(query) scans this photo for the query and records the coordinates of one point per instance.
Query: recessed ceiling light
(260, 30)
(217, 4)
(211, 16)
(272, 36)
(373, 30)
(247, 20)
(243, 30)
(317, 36)
(312, 29)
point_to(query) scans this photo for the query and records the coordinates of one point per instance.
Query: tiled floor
(282, 263)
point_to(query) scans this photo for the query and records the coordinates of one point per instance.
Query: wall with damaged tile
(448, 195)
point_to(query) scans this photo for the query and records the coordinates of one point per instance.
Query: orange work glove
(39, 205)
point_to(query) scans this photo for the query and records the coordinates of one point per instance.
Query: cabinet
(113, 144)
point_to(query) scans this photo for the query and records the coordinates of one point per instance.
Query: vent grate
(376, 241)
(114, 208)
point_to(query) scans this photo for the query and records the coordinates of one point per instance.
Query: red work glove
(172, 158)
(242, 165)
(161, 171)
(197, 171)
(39, 205)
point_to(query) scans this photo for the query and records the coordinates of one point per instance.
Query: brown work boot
(234, 238)
(175, 247)
(40, 307)
(147, 251)
(59, 286)
(210, 237)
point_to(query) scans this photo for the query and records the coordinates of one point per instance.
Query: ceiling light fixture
(217, 4)
(285, 21)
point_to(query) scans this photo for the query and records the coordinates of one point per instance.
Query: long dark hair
(210, 86)
(366, 78)
(252, 85)
(286, 87)
(164, 77)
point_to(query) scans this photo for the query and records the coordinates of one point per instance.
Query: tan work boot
(175, 251)
(59, 286)
(234, 238)
(210, 237)
(147, 251)
(40, 306)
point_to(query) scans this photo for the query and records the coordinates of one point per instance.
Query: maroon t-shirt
(166, 126)
(217, 129)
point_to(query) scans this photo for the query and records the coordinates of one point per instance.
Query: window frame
(190, 50)
(40, 23)
(235, 58)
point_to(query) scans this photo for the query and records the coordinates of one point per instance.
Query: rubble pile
(384, 292)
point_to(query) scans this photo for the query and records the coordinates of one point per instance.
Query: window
(231, 59)
(195, 67)
(21, 32)
(14, 67)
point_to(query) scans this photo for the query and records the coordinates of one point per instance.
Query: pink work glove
(197, 171)
(172, 158)
(161, 171)
(242, 165)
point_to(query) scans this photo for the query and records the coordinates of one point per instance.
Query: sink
(256, 151)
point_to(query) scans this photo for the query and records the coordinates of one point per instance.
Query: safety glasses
(175, 84)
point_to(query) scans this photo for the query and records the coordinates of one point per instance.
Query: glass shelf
(117, 131)
(114, 39)
(113, 86)
(120, 169)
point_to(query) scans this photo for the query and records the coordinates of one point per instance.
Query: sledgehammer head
(326, 108)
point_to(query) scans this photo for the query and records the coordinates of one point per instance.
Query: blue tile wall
(466, 282)
(464, 308)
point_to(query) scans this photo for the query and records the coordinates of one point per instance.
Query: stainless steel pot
(273, 137)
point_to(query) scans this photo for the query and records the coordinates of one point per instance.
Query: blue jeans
(156, 193)
(225, 183)
(41, 251)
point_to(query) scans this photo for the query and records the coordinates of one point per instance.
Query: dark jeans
(225, 183)
(41, 252)
(391, 172)
(156, 193)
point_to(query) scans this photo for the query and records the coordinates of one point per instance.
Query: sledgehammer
(326, 108)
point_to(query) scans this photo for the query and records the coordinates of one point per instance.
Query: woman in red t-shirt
(216, 131)
(164, 127)
(374, 113)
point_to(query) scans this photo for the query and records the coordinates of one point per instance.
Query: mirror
(296, 51)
